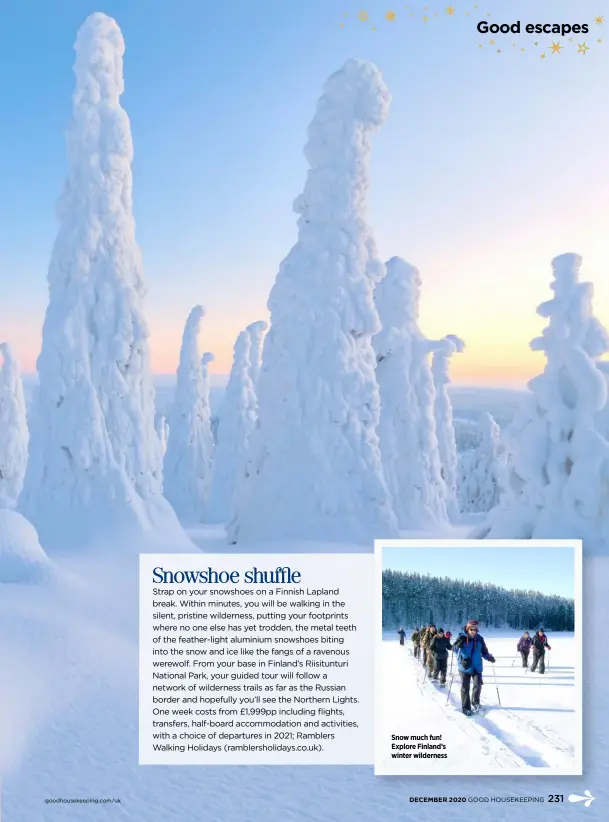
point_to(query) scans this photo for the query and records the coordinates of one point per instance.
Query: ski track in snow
(522, 742)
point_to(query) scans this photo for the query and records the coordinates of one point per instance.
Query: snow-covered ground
(68, 723)
(530, 721)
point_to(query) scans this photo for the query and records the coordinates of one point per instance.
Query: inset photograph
(478, 657)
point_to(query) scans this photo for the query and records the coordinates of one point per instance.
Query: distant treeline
(413, 599)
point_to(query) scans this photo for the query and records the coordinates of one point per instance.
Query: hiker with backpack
(439, 648)
(540, 644)
(416, 642)
(471, 650)
(428, 660)
(524, 648)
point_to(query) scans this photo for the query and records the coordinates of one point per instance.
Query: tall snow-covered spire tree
(162, 429)
(407, 430)
(445, 427)
(237, 421)
(557, 474)
(256, 331)
(315, 470)
(205, 361)
(95, 458)
(187, 466)
(14, 433)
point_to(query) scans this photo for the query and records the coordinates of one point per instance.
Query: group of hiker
(538, 644)
(431, 645)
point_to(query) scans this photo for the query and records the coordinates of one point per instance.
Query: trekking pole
(548, 665)
(496, 686)
(450, 688)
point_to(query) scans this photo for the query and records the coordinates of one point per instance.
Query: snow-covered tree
(162, 430)
(412, 599)
(315, 471)
(188, 460)
(407, 429)
(95, 458)
(557, 477)
(14, 434)
(443, 411)
(205, 361)
(467, 434)
(480, 468)
(257, 332)
(236, 422)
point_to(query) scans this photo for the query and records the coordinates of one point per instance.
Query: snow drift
(21, 557)
(315, 470)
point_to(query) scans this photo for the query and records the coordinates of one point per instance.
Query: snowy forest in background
(411, 600)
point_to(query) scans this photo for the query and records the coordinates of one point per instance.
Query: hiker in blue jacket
(471, 649)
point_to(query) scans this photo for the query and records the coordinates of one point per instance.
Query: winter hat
(440, 631)
(472, 623)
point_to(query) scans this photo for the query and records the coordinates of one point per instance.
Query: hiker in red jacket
(540, 643)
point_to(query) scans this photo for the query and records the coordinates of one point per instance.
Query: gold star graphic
(599, 20)
(467, 14)
(535, 43)
(342, 25)
(373, 28)
(480, 45)
(522, 49)
(450, 11)
(498, 51)
(556, 47)
(599, 40)
(391, 15)
(543, 56)
(582, 48)
(363, 16)
(492, 42)
(425, 19)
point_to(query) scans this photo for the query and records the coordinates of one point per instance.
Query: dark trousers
(466, 679)
(401, 640)
(440, 670)
(416, 649)
(539, 660)
(525, 658)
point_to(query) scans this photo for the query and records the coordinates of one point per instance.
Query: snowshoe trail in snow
(534, 731)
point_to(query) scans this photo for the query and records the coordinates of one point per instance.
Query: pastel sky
(547, 570)
(489, 165)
